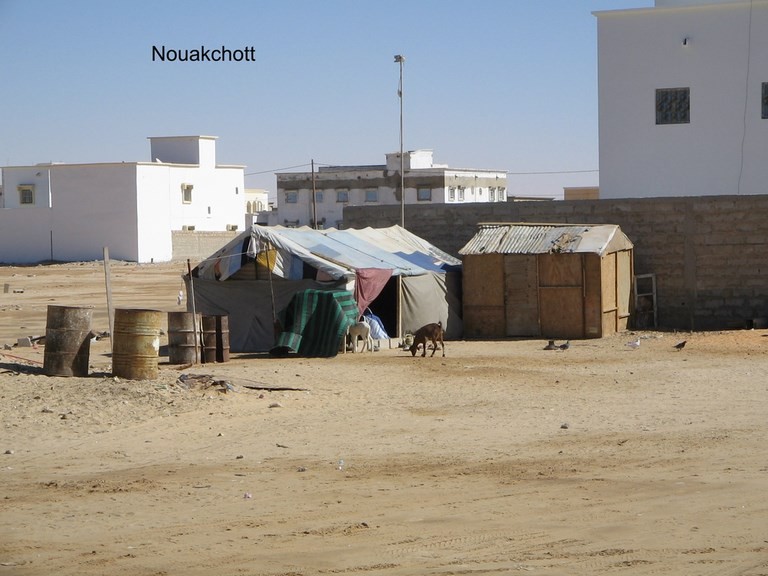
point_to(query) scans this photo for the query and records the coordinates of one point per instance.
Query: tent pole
(272, 294)
(400, 307)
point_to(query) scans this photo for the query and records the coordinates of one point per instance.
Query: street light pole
(401, 60)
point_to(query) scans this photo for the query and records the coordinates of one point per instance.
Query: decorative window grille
(673, 106)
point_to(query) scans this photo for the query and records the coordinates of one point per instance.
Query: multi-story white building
(683, 99)
(338, 186)
(69, 212)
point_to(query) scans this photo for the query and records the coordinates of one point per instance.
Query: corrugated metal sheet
(541, 239)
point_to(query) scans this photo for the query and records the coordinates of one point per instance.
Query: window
(491, 194)
(371, 195)
(186, 193)
(765, 100)
(502, 194)
(342, 195)
(424, 195)
(673, 106)
(461, 193)
(26, 194)
(319, 196)
(452, 193)
(291, 197)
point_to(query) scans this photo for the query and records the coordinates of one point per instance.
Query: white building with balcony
(683, 99)
(305, 198)
(69, 212)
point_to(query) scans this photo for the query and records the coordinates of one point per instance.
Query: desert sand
(499, 458)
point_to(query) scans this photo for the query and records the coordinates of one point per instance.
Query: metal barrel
(136, 343)
(181, 338)
(209, 339)
(67, 341)
(222, 338)
(215, 339)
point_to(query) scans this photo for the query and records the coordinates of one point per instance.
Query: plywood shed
(565, 281)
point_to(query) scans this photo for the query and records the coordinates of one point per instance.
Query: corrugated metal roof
(522, 238)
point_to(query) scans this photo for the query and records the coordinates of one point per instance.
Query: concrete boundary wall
(196, 246)
(709, 253)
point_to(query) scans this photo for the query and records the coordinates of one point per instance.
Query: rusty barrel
(136, 343)
(67, 341)
(215, 339)
(181, 338)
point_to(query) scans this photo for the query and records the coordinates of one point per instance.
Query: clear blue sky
(496, 84)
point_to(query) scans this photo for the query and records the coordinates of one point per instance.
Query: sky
(487, 84)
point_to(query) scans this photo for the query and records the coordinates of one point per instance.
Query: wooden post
(194, 313)
(110, 309)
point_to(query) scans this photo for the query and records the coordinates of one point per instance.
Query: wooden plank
(483, 296)
(521, 295)
(561, 312)
(608, 281)
(624, 283)
(593, 296)
(560, 270)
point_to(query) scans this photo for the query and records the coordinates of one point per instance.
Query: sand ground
(500, 458)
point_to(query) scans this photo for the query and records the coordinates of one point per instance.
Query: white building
(69, 212)
(338, 186)
(683, 91)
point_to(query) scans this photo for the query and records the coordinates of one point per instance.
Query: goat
(431, 332)
(360, 330)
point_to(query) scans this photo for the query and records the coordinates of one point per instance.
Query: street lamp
(401, 60)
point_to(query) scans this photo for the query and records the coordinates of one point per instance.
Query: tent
(254, 277)
(550, 280)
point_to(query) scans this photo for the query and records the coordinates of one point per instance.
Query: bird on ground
(566, 345)
(680, 345)
(634, 344)
(551, 346)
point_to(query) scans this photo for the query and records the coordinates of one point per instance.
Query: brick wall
(708, 253)
(195, 246)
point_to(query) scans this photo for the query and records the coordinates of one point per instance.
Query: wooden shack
(563, 281)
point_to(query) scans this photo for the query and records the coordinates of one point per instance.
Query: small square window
(673, 106)
(26, 194)
(765, 100)
(186, 193)
(342, 195)
(424, 194)
(291, 197)
(371, 195)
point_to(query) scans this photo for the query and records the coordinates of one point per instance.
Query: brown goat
(433, 332)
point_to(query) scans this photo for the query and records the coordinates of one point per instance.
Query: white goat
(362, 330)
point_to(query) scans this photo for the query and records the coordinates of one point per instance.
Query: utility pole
(314, 198)
(400, 59)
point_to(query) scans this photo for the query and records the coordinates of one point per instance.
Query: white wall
(217, 201)
(183, 150)
(640, 51)
(89, 210)
(131, 208)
